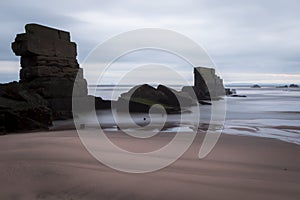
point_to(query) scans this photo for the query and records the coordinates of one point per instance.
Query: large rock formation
(49, 67)
(141, 97)
(207, 85)
(47, 77)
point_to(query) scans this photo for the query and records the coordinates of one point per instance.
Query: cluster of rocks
(293, 86)
(289, 86)
(49, 67)
(207, 86)
(50, 71)
(232, 93)
(229, 92)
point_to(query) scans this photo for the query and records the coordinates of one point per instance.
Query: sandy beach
(55, 165)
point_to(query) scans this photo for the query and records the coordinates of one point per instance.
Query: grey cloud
(241, 36)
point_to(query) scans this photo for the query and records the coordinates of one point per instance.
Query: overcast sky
(253, 41)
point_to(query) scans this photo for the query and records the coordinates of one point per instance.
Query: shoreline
(236, 130)
(55, 165)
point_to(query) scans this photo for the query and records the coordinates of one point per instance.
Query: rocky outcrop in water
(207, 85)
(255, 86)
(294, 86)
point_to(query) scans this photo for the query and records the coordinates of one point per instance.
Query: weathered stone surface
(177, 98)
(62, 107)
(42, 40)
(27, 119)
(30, 61)
(206, 81)
(54, 87)
(30, 73)
(207, 85)
(146, 92)
(46, 52)
(19, 92)
(49, 67)
(22, 109)
(140, 99)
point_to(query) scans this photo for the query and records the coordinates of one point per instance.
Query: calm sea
(266, 112)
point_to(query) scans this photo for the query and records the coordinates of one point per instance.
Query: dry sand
(55, 165)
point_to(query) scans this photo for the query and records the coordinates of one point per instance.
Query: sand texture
(55, 165)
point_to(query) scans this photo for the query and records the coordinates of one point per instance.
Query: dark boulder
(141, 98)
(145, 92)
(22, 109)
(293, 86)
(255, 86)
(228, 91)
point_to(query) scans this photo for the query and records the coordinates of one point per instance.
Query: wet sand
(55, 165)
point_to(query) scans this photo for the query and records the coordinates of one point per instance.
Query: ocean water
(266, 112)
